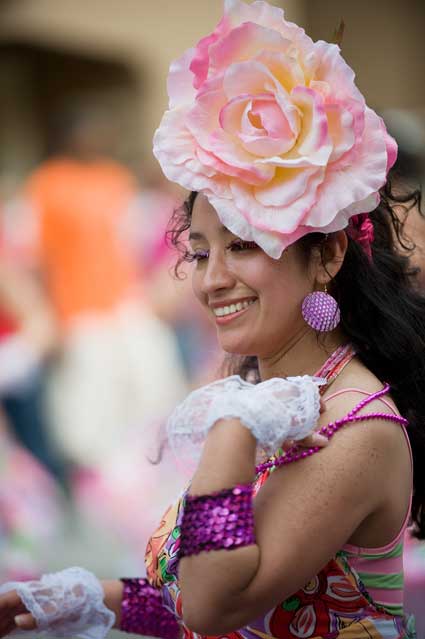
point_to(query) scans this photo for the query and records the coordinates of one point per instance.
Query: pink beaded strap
(221, 520)
(296, 452)
(143, 613)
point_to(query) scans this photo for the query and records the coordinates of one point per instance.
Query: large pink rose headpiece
(271, 127)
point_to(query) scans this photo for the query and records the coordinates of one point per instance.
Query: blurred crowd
(98, 342)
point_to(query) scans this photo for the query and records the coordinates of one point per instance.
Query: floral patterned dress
(332, 605)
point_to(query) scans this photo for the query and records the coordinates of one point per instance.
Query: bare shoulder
(376, 447)
(354, 384)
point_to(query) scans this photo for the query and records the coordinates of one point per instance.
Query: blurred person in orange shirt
(118, 367)
(30, 502)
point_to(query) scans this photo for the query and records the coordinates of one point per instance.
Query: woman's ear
(332, 257)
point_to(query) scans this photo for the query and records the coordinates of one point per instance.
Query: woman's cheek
(197, 288)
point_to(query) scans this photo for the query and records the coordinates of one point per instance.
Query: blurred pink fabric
(30, 512)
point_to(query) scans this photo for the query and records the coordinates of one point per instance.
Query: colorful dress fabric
(333, 605)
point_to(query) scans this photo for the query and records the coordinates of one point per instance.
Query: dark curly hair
(382, 313)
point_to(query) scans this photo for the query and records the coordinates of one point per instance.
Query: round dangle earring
(321, 311)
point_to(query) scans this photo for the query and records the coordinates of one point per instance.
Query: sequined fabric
(143, 613)
(222, 520)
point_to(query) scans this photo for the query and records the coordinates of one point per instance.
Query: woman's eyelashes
(197, 255)
(242, 245)
(235, 246)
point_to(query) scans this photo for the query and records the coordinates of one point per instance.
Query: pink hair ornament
(271, 127)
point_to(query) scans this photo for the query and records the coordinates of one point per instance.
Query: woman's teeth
(233, 308)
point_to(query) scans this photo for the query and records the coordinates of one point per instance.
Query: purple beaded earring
(321, 311)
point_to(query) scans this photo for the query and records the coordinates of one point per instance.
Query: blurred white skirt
(116, 373)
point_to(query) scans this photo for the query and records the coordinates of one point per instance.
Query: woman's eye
(197, 256)
(242, 245)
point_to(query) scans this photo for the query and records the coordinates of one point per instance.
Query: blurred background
(97, 340)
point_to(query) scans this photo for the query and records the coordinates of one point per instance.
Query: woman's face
(254, 300)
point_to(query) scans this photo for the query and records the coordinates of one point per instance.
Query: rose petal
(284, 67)
(314, 135)
(281, 218)
(341, 130)
(234, 116)
(175, 149)
(203, 121)
(363, 175)
(245, 43)
(342, 219)
(233, 219)
(391, 145)
(272, 118)
(332, 69)
(268, 16)
(249, 77)
(251, 125)
(218, 167)
(287, 186)
(274, 135)
(200, 62)
(173, 142)
(254, 79)
(247, 117)
(179, 83)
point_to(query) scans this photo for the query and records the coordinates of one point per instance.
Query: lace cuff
(274, 410)
(65, 604)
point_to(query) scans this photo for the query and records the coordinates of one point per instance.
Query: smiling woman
(230, 271)
(290, 527)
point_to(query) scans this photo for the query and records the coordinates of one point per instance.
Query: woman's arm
(14, 614)
(113, 589)
(137, 607)
(303, 515)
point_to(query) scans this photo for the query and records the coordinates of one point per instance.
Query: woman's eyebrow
(196, 235)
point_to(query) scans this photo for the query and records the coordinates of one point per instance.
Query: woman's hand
(312, 440)
(13, 614)
(273, 411)
(65, 603)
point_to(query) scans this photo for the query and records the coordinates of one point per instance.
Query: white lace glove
(68, 603)
(274, 411)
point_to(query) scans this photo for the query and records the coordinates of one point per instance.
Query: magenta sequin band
(221, 520)
(143, 613)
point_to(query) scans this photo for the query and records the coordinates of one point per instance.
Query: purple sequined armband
(143, 613)
(222, 520)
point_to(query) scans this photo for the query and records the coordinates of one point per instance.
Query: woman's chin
(235, 347)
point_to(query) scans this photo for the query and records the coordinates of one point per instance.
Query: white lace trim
(274, 411)
(65, 604)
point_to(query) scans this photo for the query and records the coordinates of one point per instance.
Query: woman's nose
(217, 275)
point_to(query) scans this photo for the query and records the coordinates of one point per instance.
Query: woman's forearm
(139, 609)
(113, 589)
(228, 459)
